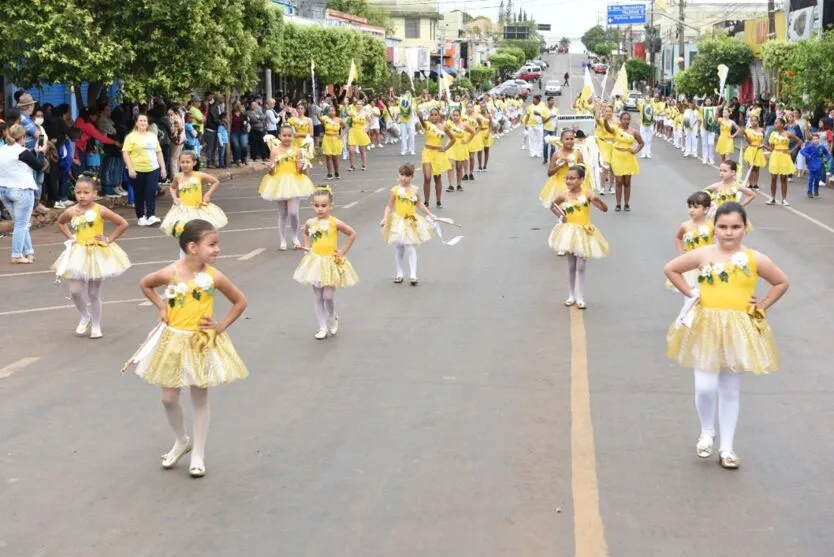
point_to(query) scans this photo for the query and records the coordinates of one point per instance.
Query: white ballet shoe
(96, 334)
(172, 457)
(197, 469)
(283, 246)
(581, 304)
(570, 301)
(321, 334)
(705, 446)
(729, 460)
(333, 326)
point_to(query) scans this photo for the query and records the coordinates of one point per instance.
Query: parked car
(511, 90)
(540, 62)
(529, 73)
(517, 83)
(600, 68)
(632, 100)
(553, 88)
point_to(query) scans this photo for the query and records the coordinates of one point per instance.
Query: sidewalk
(222, 174)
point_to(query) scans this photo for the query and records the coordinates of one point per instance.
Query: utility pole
(771, 19)
(681, 40)
(651, 46)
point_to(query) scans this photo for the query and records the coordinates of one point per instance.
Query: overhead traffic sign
(627, 14)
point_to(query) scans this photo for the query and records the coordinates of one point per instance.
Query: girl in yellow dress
(475, 145)
(357, 136)
(189, 201)
(727, 132)
(287, 182)
(781, 165)
(727, 190)
(486, 132)
(434, 160)
(302, 126)
(403, 226)
(754, 154)
(331, 144)
(605, 145)
(90, 256)
(325, 266)
(189, 348)
(575, 235)
(694, 233)
(723, 331)
(560, 162)
(459, 152)
(624, 163)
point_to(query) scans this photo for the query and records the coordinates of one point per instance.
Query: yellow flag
(587, 88)
(621, 84)
(353, 75)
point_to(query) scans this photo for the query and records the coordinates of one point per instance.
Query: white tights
(288, 208)
(726, 387)
(202, 416)
(325, 305)
(576, 277)
(399, 256)
(87, 294)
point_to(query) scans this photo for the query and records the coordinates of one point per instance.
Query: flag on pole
(604, 83)
(621, 84)
(353, 74)
(587, 89)
(313, 77)
(723, 70)
(444, 82)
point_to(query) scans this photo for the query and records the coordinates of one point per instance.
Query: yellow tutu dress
(302, 127)
(576, 235)
(431, 152)
(780, 158)
(183, 355)
(695, 237)
(623, 160)
(476, 142)
(726, 195)
(191, 206)
(754, 154)
(725, 331)
(486, 132)
(724, 144)
(321, 266)
(284, 181)
(605, 142)
(405, 225)
(331, 144)
(86, 258)
(458, 151)
(357, 136)
(556, 184)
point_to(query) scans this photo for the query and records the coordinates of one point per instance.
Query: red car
(600, 68)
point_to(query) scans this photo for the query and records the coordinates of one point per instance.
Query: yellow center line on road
(589, 536)
(17, 366)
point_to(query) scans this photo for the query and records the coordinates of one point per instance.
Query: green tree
(686, 83)
(482, 75)
(374, 68)
(734, 53)
(516, 53)
(564, 42)
(600, 41)
(637, 70)
(604, 49)
(530, 47)
(503, 61)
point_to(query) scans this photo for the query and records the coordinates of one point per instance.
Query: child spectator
(192, 138)
(816, 157)
(222, 139)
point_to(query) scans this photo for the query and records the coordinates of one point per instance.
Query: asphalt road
(470, 416)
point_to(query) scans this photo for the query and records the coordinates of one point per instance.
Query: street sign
(627, 14)
(543, 27)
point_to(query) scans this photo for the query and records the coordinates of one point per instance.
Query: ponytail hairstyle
(193, 231)
(323, 190)
(14, 133)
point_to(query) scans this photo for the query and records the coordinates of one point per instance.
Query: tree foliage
(600, 41)
(637, 70)
(804, 69)
(564, 42)
(734, 53)
(375, 15)
(503, 61)
(530, 47)
(482, 75)
(686, 83)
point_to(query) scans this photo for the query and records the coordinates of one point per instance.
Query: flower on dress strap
(204, 281)
(740, 260)
(90, 216)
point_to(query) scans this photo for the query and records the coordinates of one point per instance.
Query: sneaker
(439, 205)
(333, 326)
(338, 177)
(83, 325)
(153, 219)
(142, 221)
(321, 335)
(112, 196)
(570, 301)
(451, 189)
(121, 191)
(329, 177)
(59, 205)
(283, 246)
(785, 203)
(96, 334)
(705, 446)
(771, 201)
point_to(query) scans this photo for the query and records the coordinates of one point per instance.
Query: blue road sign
(627, 14)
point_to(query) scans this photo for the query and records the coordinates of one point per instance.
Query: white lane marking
(68, 306)
(146, 303)
(251, 254)
(379, 190)
(162, 262)
(351, 204)
(17, 366)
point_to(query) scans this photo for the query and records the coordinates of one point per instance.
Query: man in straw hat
(26, 104)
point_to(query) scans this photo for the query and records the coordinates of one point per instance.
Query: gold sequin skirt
(191, 359)
(91, 262)
(325, 270)
(723, 339)
(358, 137)
(283, 186)
(584, 241)
(410, 231)
(437, 159)
(184, 213)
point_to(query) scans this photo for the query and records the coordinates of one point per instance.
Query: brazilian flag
(710, 123)
(405, 106)
(648, 114)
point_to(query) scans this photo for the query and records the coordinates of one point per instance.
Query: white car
(632, 100)
(553, 88)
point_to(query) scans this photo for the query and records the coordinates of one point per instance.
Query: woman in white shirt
(17, 189)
